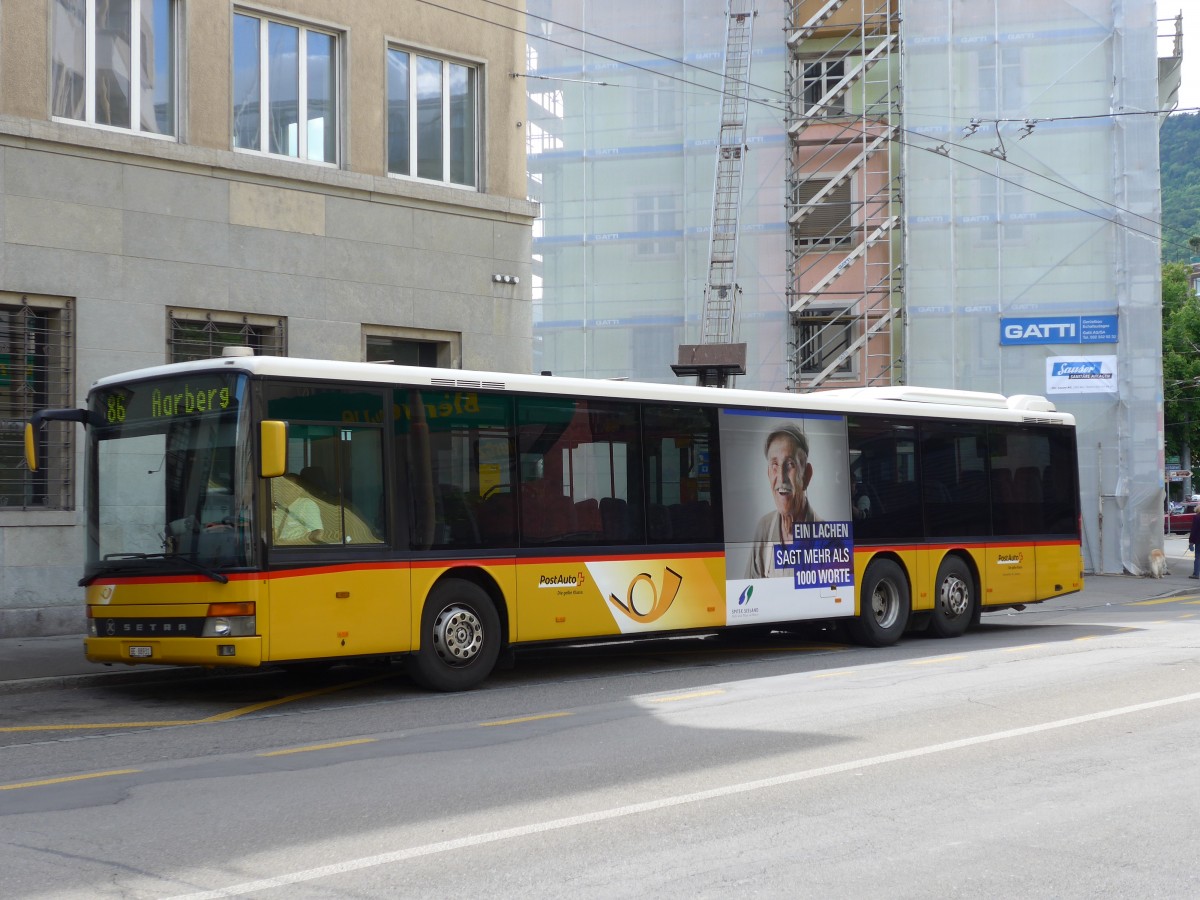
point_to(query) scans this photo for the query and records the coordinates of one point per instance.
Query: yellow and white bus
(260, 510)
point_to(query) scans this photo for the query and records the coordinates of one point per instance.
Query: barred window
(193, 334)
(36, 372)
(823, 335)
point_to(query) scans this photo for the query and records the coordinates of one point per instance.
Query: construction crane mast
(719, 357)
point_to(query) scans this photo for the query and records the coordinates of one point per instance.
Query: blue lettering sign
(1058, 330)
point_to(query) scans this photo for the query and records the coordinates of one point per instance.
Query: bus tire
(884, 606)
(955, 603)
(460, 638)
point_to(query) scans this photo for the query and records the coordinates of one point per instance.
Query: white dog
(1158, 564)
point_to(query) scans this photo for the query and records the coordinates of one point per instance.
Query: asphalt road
(1050, 753)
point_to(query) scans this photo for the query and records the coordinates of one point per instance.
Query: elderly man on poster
(789, 472)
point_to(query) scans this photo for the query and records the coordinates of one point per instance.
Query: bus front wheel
(956, 604)
(884, 606)
(460, 638)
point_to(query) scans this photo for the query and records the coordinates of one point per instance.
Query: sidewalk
(36, 663)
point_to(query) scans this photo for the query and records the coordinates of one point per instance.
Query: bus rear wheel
(460, 638)
(884, 606)
(955, 605)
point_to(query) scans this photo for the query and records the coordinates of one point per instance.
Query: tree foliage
(1179, 160)
(1181, 358)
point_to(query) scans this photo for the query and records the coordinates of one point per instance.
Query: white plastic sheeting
(1032, 197)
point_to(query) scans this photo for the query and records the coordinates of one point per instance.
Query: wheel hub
(954, 596)
(885, 605)
(457, 635)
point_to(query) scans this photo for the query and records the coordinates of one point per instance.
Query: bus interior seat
(691, 521)
(614, 519)
(455, 517)
(658, 521)
(587, 516)
(545, 517)
(1027, 485)
(497, 520)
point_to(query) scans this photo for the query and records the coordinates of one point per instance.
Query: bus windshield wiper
(194, 563)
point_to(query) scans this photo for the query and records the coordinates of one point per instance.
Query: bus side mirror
(273, 461)
(30, 448)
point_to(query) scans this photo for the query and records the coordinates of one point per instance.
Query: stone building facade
(341, 181)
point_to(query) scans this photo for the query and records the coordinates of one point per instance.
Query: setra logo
(643, 601)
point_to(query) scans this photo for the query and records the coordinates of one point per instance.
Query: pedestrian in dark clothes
(1193, 540)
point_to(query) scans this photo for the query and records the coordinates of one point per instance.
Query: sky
(1189, 91)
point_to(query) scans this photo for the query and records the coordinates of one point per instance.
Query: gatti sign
(1059, 330)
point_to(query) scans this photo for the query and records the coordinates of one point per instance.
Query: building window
(285, 89)
(826, 223)
(36, 372)
(1000, 80)
(820, 76)
(1002, 210)
(655, 104)
(194, 334)
(412, 347)
(823, 335)
(113, 63)
(439, 141)
(657, 224)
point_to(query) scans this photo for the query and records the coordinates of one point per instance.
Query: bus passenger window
(456, 448)
(580, 479)
(334, 491)
(682, 496)
(886, 501)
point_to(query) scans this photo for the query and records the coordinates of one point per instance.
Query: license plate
(141, 652)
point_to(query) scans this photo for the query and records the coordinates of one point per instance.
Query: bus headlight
(226, 620)
(228, 626)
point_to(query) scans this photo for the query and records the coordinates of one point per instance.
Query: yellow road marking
(1188, 599)
(523, 719)
(291, 698)
(934, 661)
(332, 746)
(691, 696)
(66, 778)
(837, 674)
(1022, 647)
(219, 717)
(1086, 637)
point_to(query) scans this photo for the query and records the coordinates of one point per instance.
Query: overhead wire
(769, 104)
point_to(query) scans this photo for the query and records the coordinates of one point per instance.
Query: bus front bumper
(233, 651)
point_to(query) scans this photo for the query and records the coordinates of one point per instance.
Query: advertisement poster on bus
(789, 545)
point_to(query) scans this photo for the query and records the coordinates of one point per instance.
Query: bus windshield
(170, 476)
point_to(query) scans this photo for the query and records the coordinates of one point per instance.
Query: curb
(59, 682)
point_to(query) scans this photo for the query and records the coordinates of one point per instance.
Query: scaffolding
(843, 193)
